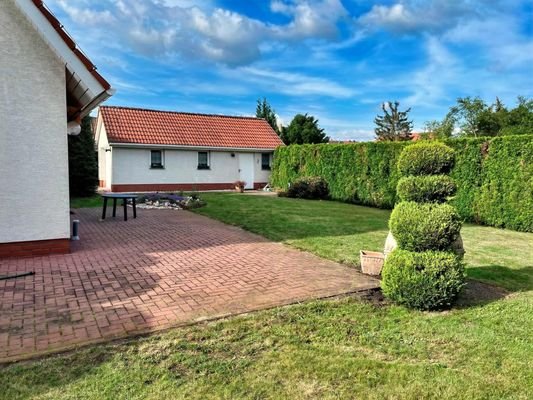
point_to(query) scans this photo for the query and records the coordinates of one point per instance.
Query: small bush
(421, 227)
(430, 158)
(429, 280)
(426, 189)
(310, 187)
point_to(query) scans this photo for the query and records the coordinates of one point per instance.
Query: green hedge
(494, 176)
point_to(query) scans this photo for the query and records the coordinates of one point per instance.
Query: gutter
(184, 147)
(103, 96)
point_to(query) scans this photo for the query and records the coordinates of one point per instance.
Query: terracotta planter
(371, 262)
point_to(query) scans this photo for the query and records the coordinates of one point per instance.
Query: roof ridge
(184, 112)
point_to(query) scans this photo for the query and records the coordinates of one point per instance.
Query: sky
(337, 60)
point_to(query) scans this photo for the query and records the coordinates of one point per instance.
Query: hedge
(494, 176)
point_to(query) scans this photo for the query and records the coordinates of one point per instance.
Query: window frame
(269, 166)
(161, 165)
(207, 165)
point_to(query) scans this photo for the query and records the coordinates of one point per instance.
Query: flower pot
(239, 189)
(371, 262)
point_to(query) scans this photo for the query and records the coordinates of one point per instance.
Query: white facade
(33, 134)
(123, 164)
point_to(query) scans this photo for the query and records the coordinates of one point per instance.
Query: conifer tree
(82, 161)
(393, 125)
(264, 110)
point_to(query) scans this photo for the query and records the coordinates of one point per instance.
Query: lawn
(335, 349)
(338, 231)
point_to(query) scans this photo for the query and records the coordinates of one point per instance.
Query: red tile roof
(141, 126)
(70, 43)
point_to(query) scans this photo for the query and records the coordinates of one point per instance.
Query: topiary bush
(430, 158)
(426, 189)
(309, 187)
(427, 280)
(421, 227)
(424, 270)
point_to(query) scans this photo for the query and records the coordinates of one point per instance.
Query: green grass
(338, 231)
(86, 202)
(338, 349)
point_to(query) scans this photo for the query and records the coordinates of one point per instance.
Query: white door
(246, 169)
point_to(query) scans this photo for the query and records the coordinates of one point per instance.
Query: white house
(46, 86)
(148, 150)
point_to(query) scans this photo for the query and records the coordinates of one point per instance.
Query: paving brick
(160, 270)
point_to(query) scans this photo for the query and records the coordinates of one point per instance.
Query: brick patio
(163, 269)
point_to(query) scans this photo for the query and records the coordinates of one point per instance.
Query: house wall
(33, 135)
(132, 172)
(105, 161)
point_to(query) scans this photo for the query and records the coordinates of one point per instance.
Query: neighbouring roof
(152, 127)
(86, 88)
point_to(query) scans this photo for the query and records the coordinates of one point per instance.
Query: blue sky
(335, 59)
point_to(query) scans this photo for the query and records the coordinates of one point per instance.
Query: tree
(82, 161)
(393, 125)
(475, 118)
(303, 129)
(438, 129)
(467, 113)
(264, 110)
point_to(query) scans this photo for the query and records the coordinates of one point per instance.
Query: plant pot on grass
(239, 186)
(371, 262)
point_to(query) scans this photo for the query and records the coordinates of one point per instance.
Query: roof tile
(142, 126)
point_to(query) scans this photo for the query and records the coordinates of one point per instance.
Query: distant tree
(393, 125)
(82, 161)
(264, 110)
(303, 129)
(438, 129)
(473, 117)
(466, 113)
(519, 120)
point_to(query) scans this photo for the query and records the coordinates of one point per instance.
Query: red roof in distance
(152, 127)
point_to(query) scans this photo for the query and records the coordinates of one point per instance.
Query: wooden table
(116, 196)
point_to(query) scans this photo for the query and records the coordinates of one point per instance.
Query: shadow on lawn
(491, 283)
(511, 279)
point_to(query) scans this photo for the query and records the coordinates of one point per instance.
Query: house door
(246, 169)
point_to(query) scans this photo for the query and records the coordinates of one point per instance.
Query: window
(156, 159)
(203, 160)
(265, 161)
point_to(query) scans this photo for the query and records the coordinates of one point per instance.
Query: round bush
(309, 187)
(429, 280)
(427, 226)
(426, 189)
(431, 158)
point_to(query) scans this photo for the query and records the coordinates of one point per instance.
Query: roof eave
(190, 147)
(51, 30)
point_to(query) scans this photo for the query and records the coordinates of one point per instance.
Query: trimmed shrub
(310, 187)
(429, 158)
(426, 189)
(421, 227)
(428, 280)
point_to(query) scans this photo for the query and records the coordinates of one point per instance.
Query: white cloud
(406, 16)
(295, 84)
(200, 31)
(432, 82)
